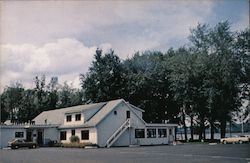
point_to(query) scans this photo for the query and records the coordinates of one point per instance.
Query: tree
(41, 99)
(222, 77)
(105, 79)
(27, 107)
(4, 113)
(148, 85)
(53, 87)
(11, 100)
(65, 95)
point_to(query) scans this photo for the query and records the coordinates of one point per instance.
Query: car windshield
(12, 140)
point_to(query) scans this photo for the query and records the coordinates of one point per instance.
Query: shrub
(73, 145)
(74, 139)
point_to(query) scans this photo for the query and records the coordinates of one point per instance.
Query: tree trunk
(201, 132)
(204, 130)
(184, 124)
(191, 127)
(212, 130)
(223, 129)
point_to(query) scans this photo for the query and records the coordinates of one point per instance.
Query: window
(162, 133)
(128, 114)
(45, 121)
(85, 134)
(73, 132)
(19, 134)
(151, 133)
(78, 117)
(115, 112)
(139, 133)
(170, 131)
(68, 118)
(63, 135)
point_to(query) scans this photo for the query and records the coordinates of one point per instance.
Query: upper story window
(78, 117)
(128, 114)
(68, 118)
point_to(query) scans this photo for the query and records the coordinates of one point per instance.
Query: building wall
(92, 135)
(8, 134)
(154, 141)
(113, 121)
(51, 134)
(128, 137)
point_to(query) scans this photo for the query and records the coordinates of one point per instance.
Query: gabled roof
(102, 113)
(98, 112)
(57, 116)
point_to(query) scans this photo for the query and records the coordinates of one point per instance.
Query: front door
(29, 136)
(40, 138)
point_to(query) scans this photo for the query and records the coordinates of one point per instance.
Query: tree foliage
(204, 83)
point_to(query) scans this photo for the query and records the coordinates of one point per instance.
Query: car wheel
(240, 141)
(16, 147)
(224, 142)
(34, 146)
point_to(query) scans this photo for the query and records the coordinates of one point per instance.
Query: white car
(235, 139)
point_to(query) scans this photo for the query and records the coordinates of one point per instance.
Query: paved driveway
(181, 153)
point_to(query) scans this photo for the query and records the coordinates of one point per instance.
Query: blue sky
(59, 38)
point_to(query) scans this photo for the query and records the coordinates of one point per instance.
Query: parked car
(247, 136)
(19, 143)
(235, 139)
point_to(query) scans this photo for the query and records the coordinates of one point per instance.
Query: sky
(59, 38)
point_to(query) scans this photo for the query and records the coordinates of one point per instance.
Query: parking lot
(180, 153)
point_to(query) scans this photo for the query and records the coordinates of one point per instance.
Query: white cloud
(242, 23)
(59, 38)
(66, 58)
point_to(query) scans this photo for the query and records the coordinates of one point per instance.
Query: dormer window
(78, 117)
(68, 118)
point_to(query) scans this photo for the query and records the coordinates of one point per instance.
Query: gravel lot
(186, 153)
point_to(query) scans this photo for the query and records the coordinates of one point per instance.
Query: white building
(113, 123)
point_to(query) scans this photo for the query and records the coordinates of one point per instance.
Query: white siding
(92, 135)
(112, 122)
(8, 134)
(154, 141)
(51, 134)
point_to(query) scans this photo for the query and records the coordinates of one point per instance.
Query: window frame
(19, 134)
(128, 114)
(73, 132)
(138, 131)
(162, 133)
(84, 134)
(151, 134)
(68, 118)
(78, 118)
(63, 135)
